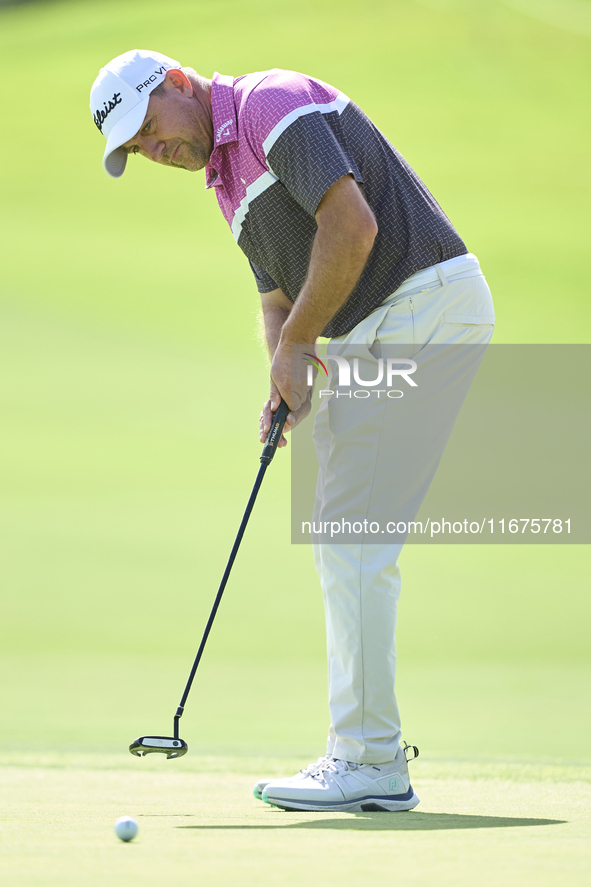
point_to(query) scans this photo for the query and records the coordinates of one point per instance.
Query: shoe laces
(311, 768)
(332, 765)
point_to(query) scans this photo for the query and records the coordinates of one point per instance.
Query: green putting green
(204, 828)
(128, 340)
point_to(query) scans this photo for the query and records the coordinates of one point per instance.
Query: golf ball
(126, 828)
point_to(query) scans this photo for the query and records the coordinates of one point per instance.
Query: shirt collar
(225, 124)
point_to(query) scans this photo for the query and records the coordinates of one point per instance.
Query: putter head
(164, 745)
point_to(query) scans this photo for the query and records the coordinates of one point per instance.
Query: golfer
(346, 242)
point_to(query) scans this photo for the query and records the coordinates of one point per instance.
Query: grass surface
(504, 778)
(130, 386)
(204, 828)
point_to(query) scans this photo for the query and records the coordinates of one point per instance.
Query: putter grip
(274, 435)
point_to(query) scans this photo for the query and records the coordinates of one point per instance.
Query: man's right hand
(293, 419)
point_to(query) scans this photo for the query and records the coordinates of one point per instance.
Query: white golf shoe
(306, 771)
(347, 786)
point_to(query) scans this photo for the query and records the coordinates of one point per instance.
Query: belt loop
(441, 275)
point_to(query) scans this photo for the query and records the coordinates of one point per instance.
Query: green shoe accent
(265, 798)
(257, 793)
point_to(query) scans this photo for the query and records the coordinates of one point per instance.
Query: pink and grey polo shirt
(281, 139)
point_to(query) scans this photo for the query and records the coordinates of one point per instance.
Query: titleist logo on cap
(101, 115)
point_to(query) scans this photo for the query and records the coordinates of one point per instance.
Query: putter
(173, 746)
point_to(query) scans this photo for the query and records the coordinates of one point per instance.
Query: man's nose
(153, 148)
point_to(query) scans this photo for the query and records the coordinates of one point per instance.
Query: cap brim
(115, 157)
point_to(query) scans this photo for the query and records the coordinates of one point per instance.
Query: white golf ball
(126, 828)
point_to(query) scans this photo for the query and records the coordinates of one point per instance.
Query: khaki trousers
(360, 454)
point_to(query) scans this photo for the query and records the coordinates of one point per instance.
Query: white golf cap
(119, 100)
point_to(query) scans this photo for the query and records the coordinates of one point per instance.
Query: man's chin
(184, 156)
(190, 165)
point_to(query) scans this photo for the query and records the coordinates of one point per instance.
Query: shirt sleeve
(264, 281)
(299, 139)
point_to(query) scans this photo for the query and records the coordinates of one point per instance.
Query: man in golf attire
(346, 242)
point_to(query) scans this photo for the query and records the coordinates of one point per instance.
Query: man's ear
(177, 79)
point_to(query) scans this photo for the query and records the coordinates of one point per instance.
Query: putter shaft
(269, 451)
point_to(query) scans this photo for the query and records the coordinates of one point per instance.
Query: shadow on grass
(397, 822)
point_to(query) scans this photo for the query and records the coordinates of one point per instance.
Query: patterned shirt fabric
(281, 139)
